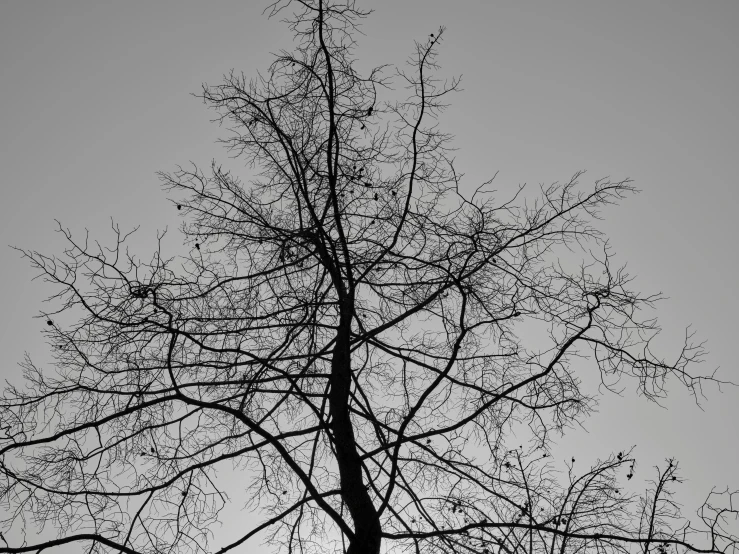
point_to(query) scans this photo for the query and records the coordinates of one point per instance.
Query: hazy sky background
(95, 100)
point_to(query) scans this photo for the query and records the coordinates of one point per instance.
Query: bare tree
(347, 333)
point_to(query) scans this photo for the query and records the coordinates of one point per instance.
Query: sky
(96, 97)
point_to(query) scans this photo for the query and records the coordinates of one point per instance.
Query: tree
(348, 332)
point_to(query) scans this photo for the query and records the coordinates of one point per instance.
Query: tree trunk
(353, 491)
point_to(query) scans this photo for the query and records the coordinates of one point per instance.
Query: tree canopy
(355, 332)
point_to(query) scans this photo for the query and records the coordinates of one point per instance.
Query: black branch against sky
(354, 333)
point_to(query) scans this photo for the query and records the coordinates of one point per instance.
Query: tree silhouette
(348, 335)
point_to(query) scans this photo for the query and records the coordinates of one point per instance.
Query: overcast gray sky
(95, 99)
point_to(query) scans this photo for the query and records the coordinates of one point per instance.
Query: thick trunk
(353, 491)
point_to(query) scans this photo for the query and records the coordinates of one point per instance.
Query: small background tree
(346, 332)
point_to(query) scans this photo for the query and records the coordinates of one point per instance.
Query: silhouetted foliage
(348, 334)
